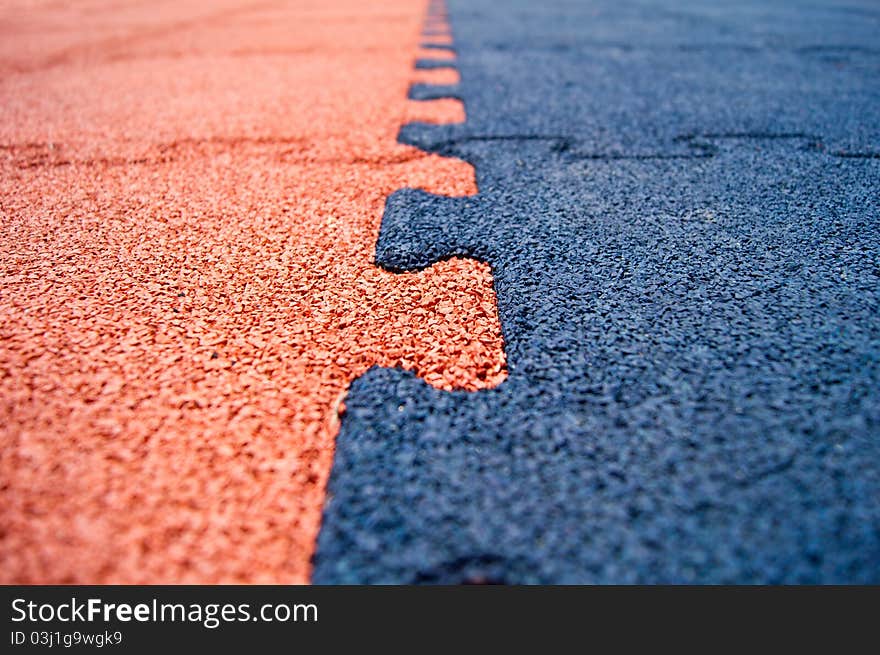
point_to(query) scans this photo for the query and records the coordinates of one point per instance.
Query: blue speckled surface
(680, 205)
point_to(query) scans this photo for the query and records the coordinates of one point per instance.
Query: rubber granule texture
(680, 207)
(191, 194)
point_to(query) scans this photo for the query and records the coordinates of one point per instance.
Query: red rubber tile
(190, 201)
(436, 39)
(441, 76)
(435, 53)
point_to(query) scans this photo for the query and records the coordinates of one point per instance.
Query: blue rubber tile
(689, 294)
(433, 91)
(634, 78)
(434, 63)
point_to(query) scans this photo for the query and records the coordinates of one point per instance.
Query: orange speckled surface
(190, 197)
